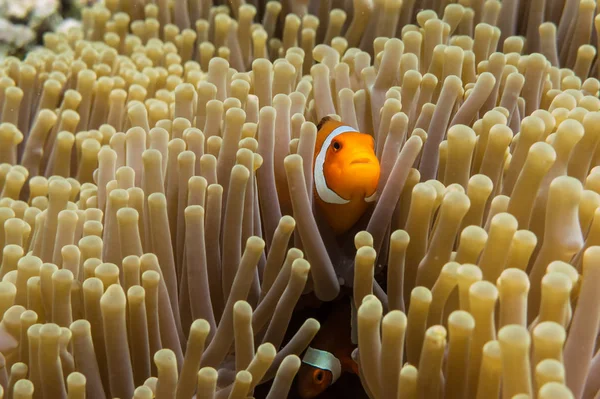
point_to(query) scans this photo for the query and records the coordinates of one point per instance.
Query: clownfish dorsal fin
(323, 121)
(325, 193)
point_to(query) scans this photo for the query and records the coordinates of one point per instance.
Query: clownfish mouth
(361, 161)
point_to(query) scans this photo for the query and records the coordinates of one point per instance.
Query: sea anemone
(160, 233)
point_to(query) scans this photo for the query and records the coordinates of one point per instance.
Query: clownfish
(329, 354)
(346, 173)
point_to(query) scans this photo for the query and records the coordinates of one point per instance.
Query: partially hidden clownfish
(329, 355)
(346, 173)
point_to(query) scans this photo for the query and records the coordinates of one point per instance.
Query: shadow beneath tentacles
(348, 385)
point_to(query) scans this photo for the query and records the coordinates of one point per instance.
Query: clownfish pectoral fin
(349, 365)
(354, 368)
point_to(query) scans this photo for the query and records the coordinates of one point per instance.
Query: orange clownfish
(329, 355)
(346, 173)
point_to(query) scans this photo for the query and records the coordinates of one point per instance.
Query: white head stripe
(323, 360)
(372, 198)
(325, 193)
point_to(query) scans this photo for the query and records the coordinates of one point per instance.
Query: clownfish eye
(318, 374)
(336, 146)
